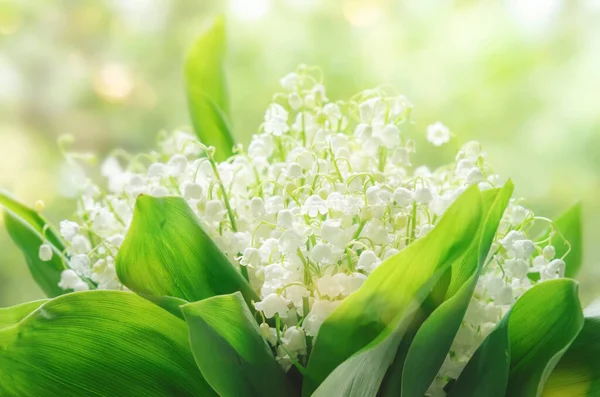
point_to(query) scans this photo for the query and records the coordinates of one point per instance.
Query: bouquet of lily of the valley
(318, 261)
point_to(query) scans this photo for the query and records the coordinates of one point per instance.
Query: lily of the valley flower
(325, 193)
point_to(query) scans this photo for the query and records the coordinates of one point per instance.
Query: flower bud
(39, 206)
(45, 252)
(549, 252)
(295, 101)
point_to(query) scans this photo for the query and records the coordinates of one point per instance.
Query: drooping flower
(276, 120)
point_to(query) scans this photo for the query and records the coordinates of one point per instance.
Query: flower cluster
(323, 194)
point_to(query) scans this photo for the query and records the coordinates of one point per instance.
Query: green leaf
(578, 371)
(519, 354)
(98, 343)
(11, 315)
(29, 230)
(31, 218)
(443, 324)
(376, 309)
(569, 224)
(206, 90)
(169, 303)
(230, 351)
(362, 374)
(167, 253)
(486, 373)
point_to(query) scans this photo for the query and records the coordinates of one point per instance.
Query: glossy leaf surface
(207, 92)
(381, 304)
(167, 253)
(578, 371)
(443, 324)
(29, 230)
(97, 343)
(519, 354)
(230, 351)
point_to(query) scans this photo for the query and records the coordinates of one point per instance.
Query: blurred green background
(522, 76)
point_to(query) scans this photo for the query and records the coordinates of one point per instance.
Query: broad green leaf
(169, 303)
(206, 90)
(11, 315)
(29, 230)
(569, 224)
(98, 343)
(443, 324)
(578, 371)
(363, 373)
(376, 309)
(230, 351)
(167, 253)
(519, 354)
(541, 327)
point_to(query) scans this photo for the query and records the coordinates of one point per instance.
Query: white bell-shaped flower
(68, 230)
(273, 304)
(368, 261)
(276, 120)
(314, 205)
(251, 257)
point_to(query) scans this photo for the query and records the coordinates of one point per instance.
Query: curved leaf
(31, 218)
(11, 315)
(167, 253)
(578, 371)
(230, 351)
(375, 310)
(443, 324)
(569, 224)
(98, 343)
(29, 230)
(362, 374)
(519, 354)
(486, 373)
(169, 303)
(206, 90)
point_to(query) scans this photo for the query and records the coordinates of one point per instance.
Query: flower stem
(244, 272)
(413, 222)
(213, 164)
(361, 225)
(382, 152)
(224, 194)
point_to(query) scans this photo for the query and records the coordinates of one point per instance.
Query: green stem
(174, 183)
(349, 259)
(382, 152)
(224, 193)
(213, 164)
(303, 133)
(361, 225)
(244, 272)
(277, 325)
(307, 278)
(112, 209)
(337, 169)
(413, 224)
(305, 308)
